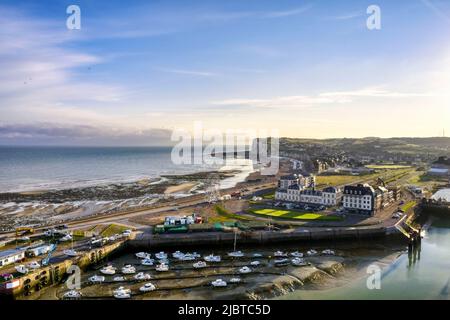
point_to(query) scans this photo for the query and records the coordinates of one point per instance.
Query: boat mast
(235, 233)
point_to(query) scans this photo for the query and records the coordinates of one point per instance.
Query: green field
(289, 214)
(408, 206)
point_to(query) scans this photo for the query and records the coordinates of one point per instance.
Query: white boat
(212, 258)
(280, 254)
(255, 263)
(67, 237)
(328, 252)
(119, 279)
(128, 269)
(147, 262)
(147, 287)
(297, 254)
(299, 262)
(235, 280)
(219, 283)
(187, 257)
(161, 255)
(257, 255)
(70, 253)
(34, 265)
(142, 255)
(200, 264)
(279, 262)
(311, 252)
(97, 279)
(108, 270)
(21, 269)
(245, 270)
(196, 255)
(72, 294)
(142, 276)
(236, 254)
(24, 239)
(162, 267)
(177, 254)
(122, 293)
(165, 261)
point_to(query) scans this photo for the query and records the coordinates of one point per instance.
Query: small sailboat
(72, 294)
(177, 254)
(328, 252)
(128, 269)
(311, 252)
(162, 267)
(97, 279)
(255, 263)
(119, 279)
(34, 265)
(187, 257)
(200, 264)
(161, 255)
(299, 262)
(108, 270)
(257, 255)
(236, 254)
(141, 276)
(280, 254)
(147, 287)
(219, 283)
(281, 262)
(245, 270)
(142, 255)
(122, 293)
(21, 269)
(147, 262)
(297, 254)
(235, 280)
(212, 258)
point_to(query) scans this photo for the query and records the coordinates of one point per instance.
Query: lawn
(408, 206)
(289, 214)
(388, 166)
(113, 229)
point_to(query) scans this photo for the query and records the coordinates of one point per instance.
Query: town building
(330, 196)
(11, 256)
(360, 199)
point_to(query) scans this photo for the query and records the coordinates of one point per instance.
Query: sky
(137, 70)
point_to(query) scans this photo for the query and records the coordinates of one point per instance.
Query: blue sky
(139, 68)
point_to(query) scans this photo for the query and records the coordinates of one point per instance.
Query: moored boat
(200, 264)
(21, 269)
(147, 287)
(128, 269)
(72, 294)
(219, 283)
(245, 269)
(96, 279)
(162, 267)
(141, 276)
(212, 258)
(236, 254)
(108, 270)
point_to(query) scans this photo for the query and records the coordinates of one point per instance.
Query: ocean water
(37, 168)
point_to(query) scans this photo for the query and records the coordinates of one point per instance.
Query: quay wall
(259, 237)
(56, 272)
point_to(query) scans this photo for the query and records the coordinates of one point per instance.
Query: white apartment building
(359, 198)
(329, 196)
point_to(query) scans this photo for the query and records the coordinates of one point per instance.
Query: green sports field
(289, 214)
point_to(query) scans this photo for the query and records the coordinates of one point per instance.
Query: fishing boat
(212, 258)
(21, 269)
(122, 293)
(328, 252)
(161, 255)
(147, 287)
(162, 267)
(177, 254)
(108, 270)
(219, 283)
(245, 269)
(119, 279)
(142, 255)
(297, 254)
(141, 276)
(147, 262)
(128, 269)
(97, 279)
(236, 254)
(255, 263)
(72, 294)
(299, 262)
(34, 265)
(311, 252)
(281, 262)
(235, 280)
(200, 264)
(280, 254)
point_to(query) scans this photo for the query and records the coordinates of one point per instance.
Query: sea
(44, 168)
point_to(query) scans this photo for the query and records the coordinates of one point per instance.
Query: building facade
(360, 199)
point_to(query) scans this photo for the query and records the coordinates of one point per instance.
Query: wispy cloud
(436, 10)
